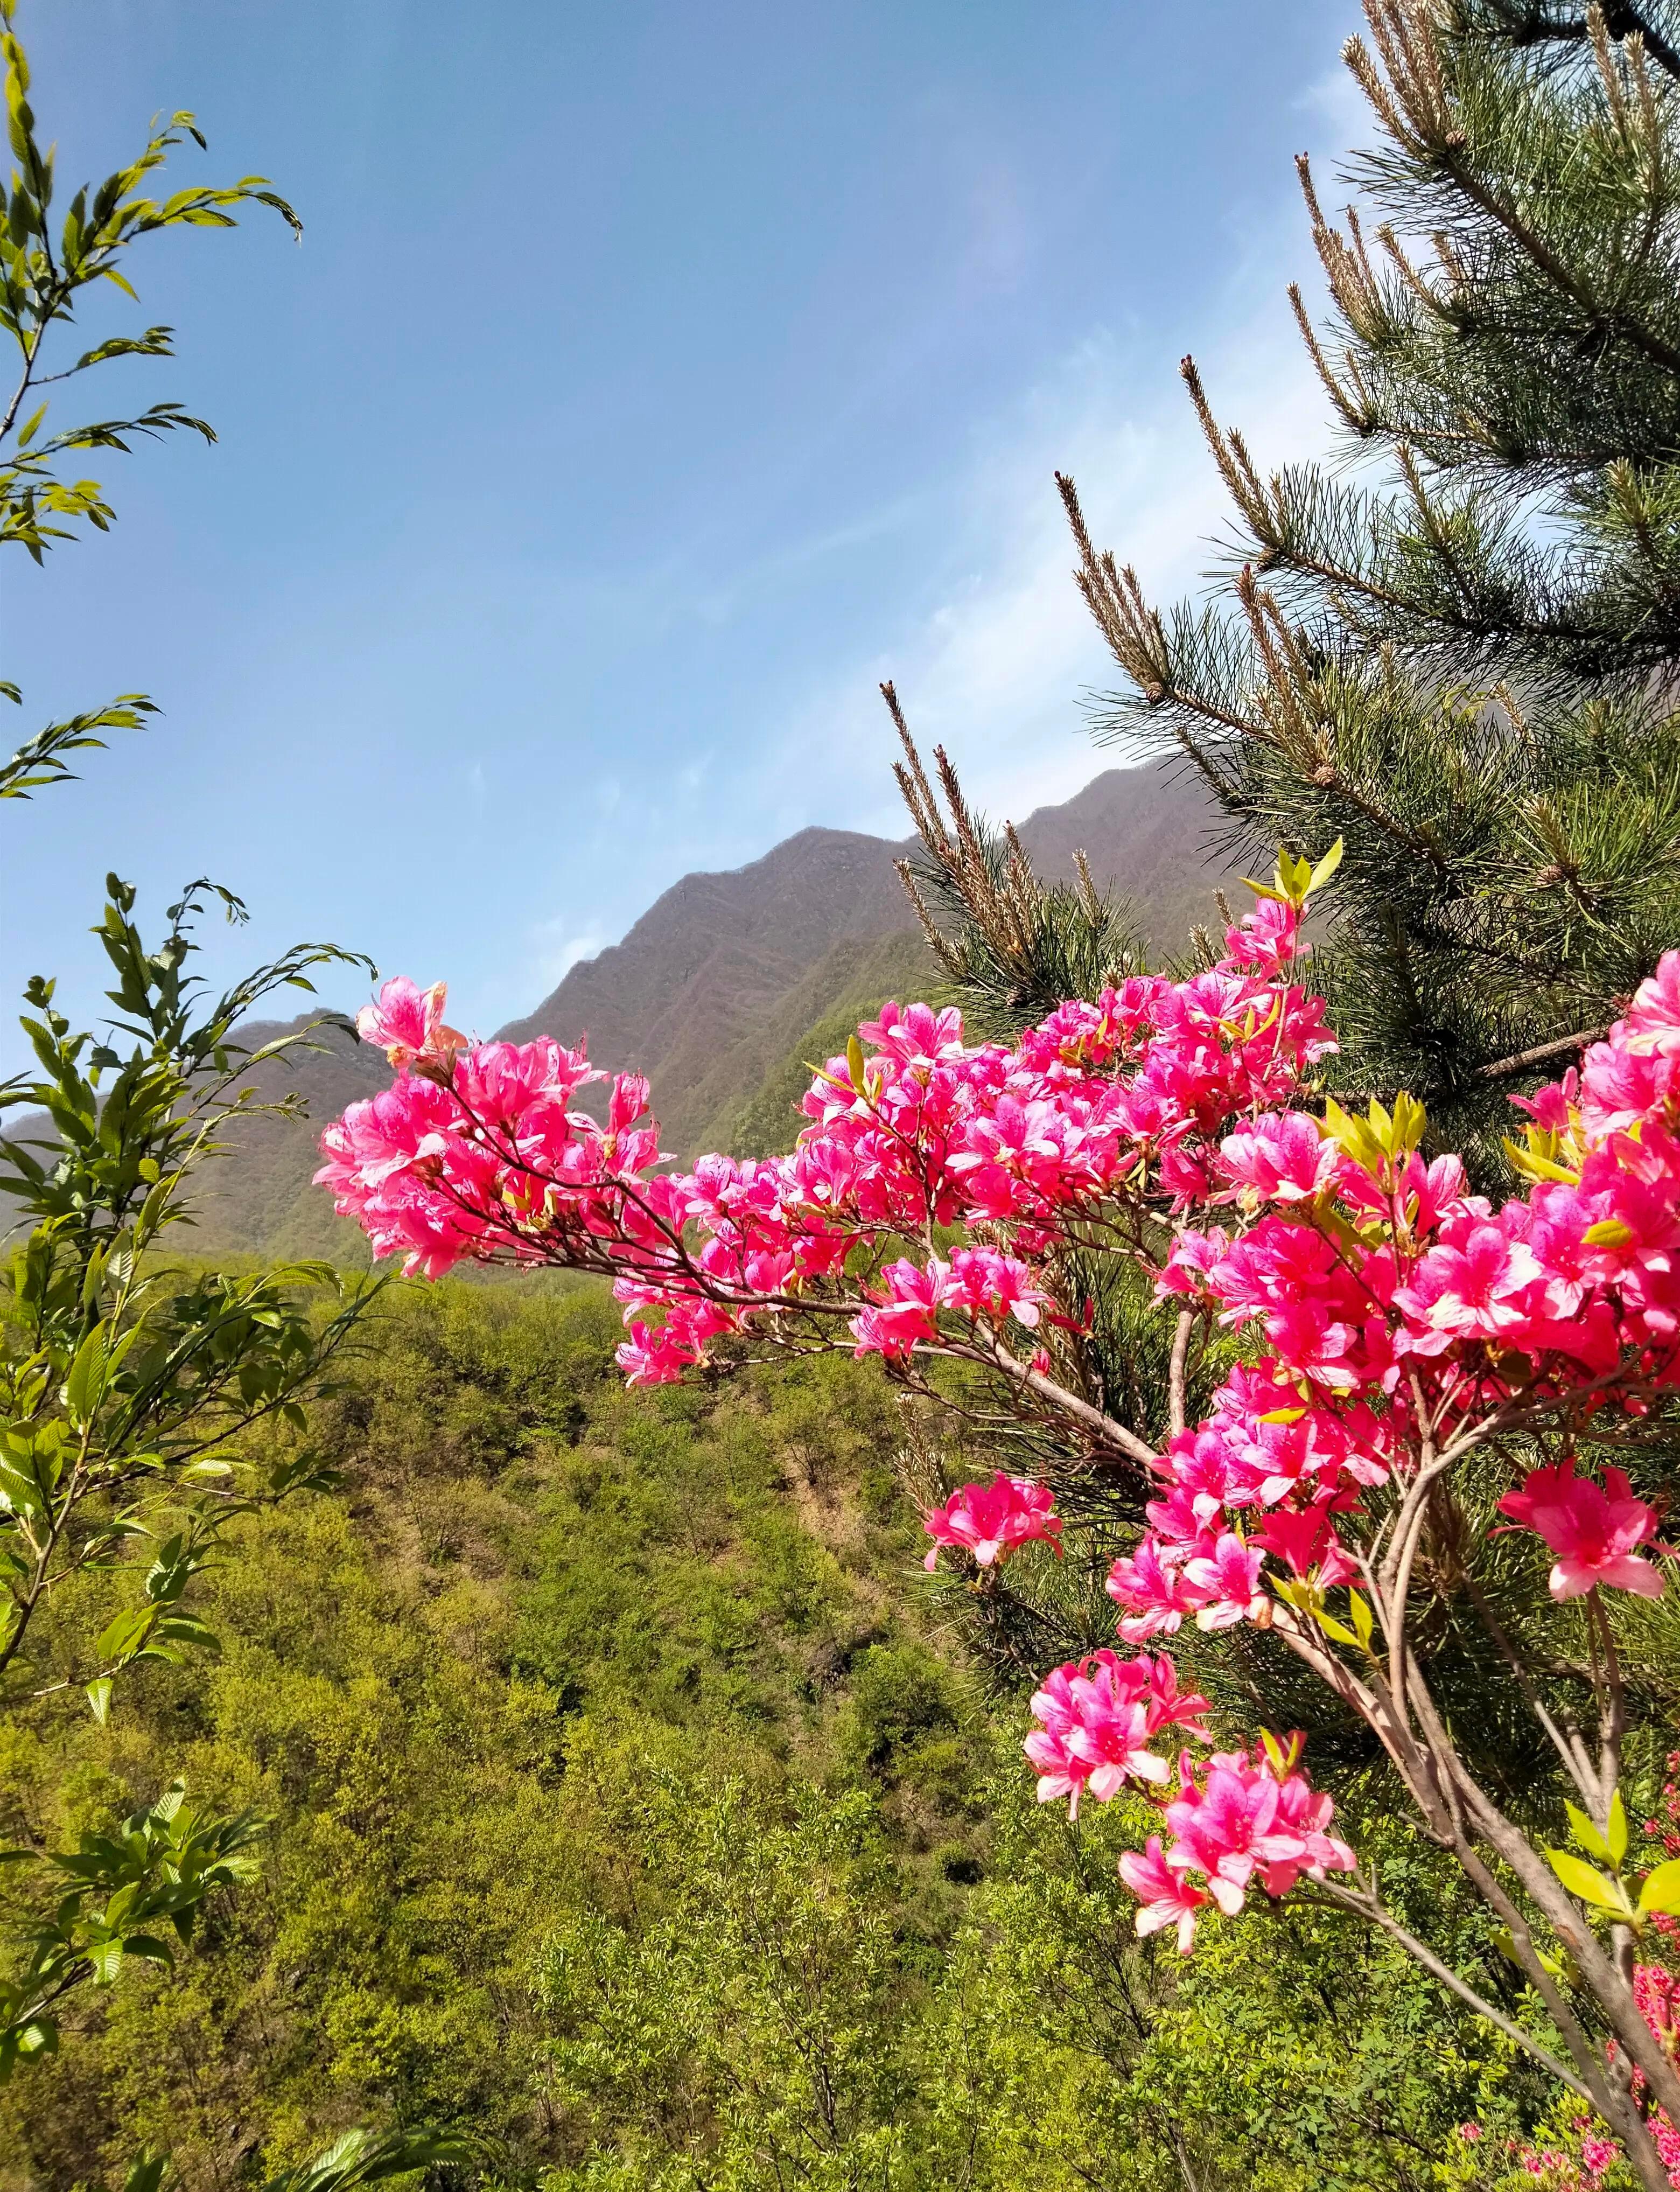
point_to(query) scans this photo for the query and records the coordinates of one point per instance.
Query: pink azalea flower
(1226, 1828)
(1165, 1897)
(408, 1024)
(989, 1521)
(1150, 1584)
(1284, 1159)
(1594, 1530)
(1245, 1818)
(983, 1282)
(907, 1310)
(1474, 1290)
(1653, 1021)
(1227, 1580)
(1306, 1539)
(1098, 1717)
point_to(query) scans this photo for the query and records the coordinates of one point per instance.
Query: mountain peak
(732, 973)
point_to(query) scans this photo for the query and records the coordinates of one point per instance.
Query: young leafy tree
(1453, 648)
(46, 268)
(124, 1384)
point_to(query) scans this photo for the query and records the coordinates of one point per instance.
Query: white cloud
(995, 665)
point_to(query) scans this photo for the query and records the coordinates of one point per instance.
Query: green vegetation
(632, 1804)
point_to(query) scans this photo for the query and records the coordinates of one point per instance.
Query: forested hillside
(634, 1802)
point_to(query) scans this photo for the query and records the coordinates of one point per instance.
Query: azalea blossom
(1097, 1718)
(407, 1023)
(1165, 1898)
(1595, 1530)
(989, 1521)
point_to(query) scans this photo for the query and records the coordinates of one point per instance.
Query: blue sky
(652, 380)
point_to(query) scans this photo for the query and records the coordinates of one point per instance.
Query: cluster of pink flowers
(477, 1152)
(1099, 1720)
(1657, 1991)
(1392, 1310)
(1245, 1818)
(989, 1521)
(1389, 1300)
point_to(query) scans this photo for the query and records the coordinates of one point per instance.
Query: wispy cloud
(994, 653)
(994, 665)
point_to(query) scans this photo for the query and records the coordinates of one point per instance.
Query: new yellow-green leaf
(1586, 1883)
(1661, 1893)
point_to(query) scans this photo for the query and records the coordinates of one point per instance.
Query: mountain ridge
(716, 990)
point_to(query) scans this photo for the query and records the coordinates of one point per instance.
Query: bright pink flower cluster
(1245, 1819)
(1657, 1992)
(1381, 1287)
(1097, 1718)
(1392, 1311)
(989, 1521)
(478, 1153)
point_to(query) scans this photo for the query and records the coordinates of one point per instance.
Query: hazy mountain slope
(705, 965)
(259, 1196)
(720, 990)
(760, 1086)
(827, 1007)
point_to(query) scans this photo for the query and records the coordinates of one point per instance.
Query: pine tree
(1454, 645)
(1458, 655)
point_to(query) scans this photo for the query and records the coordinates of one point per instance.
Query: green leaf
(1587, 1835)
(1586, 1884)
(1618, 1829)
(854, 1059)
(1360, 1611)
(1333, 1628)
(1661, 1894)
(84, 1388)
(1325, 868)
(99, 1697)
(1608, 1233)
(148, 1948)
(106, 1959)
